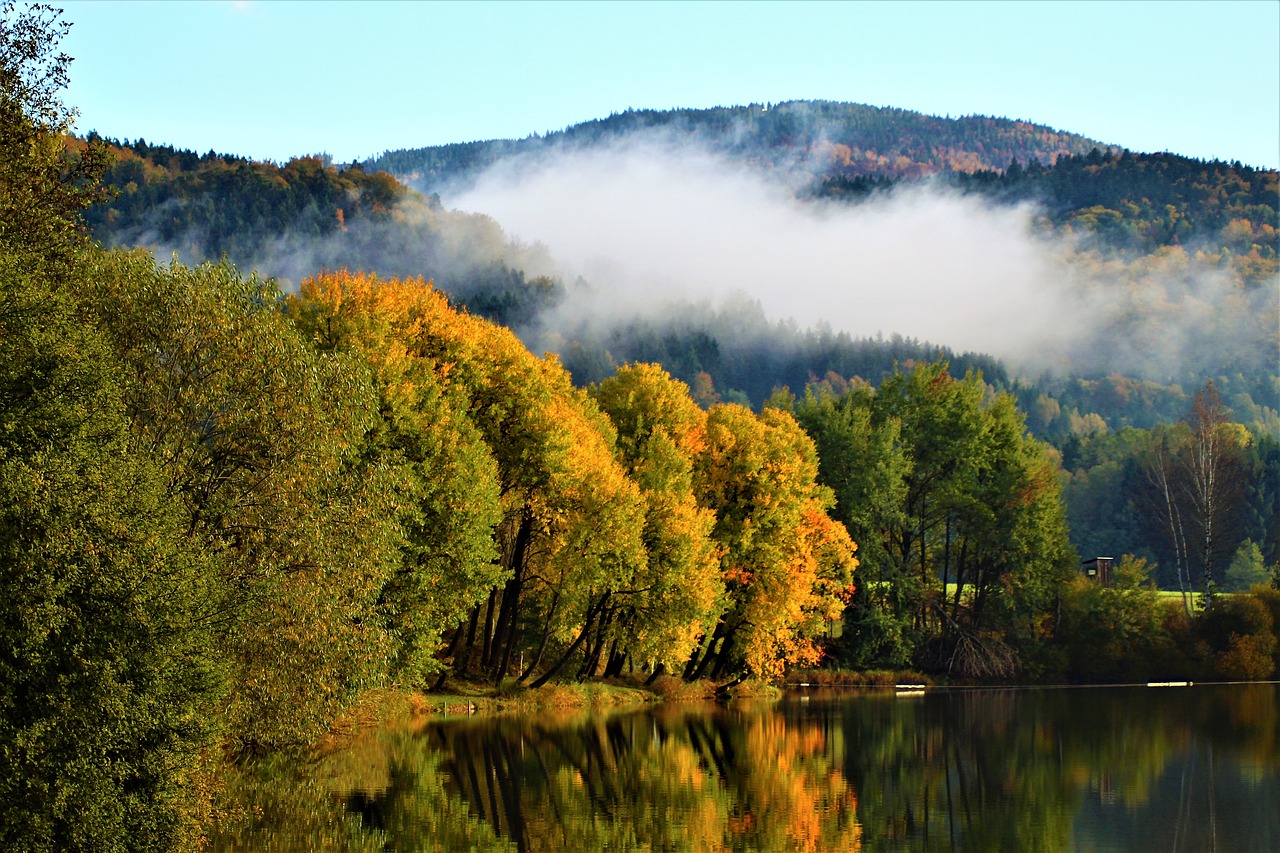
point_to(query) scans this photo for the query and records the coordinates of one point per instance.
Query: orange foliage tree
(567, 533)
(787, 567)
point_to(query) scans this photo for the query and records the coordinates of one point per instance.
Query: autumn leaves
(579, 533)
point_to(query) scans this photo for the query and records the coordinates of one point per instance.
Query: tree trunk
(508, 625)
(573, 647)
(464, 660)
(542, 643)
(591, 660)
(616, 661)
(698, 665)
(655, 675)
(486, 645)
(722, 659)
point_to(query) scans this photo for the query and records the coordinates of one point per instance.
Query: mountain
(1154, 224)
(828, 139)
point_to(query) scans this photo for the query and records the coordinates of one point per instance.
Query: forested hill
(1156, 226)
(1142, 202)
(1164, 219)
(288, 221)
(826, 138)
(208, 205)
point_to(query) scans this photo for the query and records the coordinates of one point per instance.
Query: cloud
(646, 224)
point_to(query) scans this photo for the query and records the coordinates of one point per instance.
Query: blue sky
(276, 79)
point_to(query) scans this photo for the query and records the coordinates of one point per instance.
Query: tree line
(967, 568)
(227, 513)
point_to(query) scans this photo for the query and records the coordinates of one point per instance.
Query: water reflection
(1115, 769)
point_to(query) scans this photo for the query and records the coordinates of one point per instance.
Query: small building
(1098, 569)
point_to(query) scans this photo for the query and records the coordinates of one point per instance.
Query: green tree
(1116, 632)
(263, 444)
(107, 679)
(46, 179)
(961, 517)
(866, 465)
(1246, 568)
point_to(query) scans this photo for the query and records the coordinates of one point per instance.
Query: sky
(273, 80)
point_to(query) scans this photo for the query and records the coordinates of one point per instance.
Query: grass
(393, 707)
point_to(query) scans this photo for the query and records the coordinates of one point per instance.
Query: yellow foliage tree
(787, 567)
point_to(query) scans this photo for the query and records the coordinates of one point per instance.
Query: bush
(1239, 631)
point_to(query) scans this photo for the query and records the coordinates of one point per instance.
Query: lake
(1069, 769)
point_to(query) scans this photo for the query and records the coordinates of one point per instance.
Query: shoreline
(394, 705)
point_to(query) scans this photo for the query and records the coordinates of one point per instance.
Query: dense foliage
(960, 520)
(226, 513)
(1141, 202)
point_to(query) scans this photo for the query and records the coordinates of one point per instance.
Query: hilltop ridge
(826, 138)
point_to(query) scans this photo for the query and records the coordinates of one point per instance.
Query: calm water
(1099, 769)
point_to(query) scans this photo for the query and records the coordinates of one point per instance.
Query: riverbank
(396, 706)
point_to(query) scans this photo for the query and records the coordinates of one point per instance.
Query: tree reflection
(1047, 769)
(678, 779)
(1053, 770)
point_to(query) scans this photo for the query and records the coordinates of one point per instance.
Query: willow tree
(446, 484)
(107, 677)
(678, 594)
(108, 680)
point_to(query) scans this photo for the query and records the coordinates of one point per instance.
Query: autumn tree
(446, 483)
(677, 593)
(569, 533)
(787, 566)
(1194, 477)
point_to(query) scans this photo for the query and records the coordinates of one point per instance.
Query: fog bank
(645, 223)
